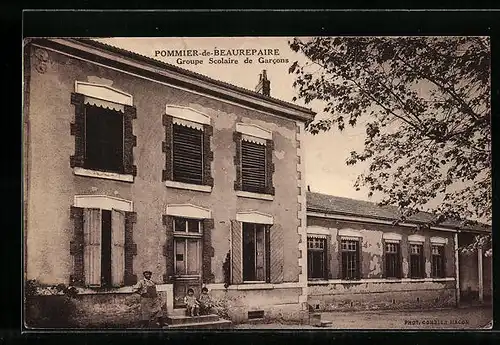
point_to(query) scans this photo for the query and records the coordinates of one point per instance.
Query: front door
(187, 258)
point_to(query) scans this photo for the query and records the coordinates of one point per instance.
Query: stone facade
(373, 290)
(53, 183)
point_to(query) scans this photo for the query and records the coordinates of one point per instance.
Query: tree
(425, 102)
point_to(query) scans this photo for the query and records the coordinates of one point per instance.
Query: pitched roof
(161, 64)
(329, 204)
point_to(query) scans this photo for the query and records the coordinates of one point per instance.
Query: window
(437, 262)
(104, 247)
(350, 259)
(103, 139)
(316, 258)
(416, 261)
(187, 249)
(392, 260)
(253, 167)
(187, 154)
(255, 253)
(253, 159)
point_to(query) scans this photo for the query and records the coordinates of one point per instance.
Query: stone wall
(382, 295)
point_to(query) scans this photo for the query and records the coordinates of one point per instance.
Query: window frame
(357, 257)
(398, 258)
(266, 251)
(91, 165)
(190, 126)
(441, 255)
(186, 236)
(421, 262)
(324, 253)
(244, 183)
(90, 94)
(258, 136)
(187, 117)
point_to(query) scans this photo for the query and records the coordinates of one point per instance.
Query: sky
(325, 153)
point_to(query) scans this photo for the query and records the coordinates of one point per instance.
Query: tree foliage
(425, 102)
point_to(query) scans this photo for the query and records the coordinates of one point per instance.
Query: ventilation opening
(418, 299)
(393, 301)
(256, 314)
(352, 304)
(317, 306)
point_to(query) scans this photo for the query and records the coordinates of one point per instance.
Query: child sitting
(205, 301)
(192, 305)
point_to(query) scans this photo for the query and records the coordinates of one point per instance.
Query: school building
(131, 164)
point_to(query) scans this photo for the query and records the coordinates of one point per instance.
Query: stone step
(178, 312)
(205, 325)
(179, 319)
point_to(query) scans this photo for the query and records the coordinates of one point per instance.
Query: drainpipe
(457, 270)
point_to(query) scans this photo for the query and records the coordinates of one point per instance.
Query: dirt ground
(461, 318)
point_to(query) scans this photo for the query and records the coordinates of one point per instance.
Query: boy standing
(150, 306)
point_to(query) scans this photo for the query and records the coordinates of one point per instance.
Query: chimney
(264, 85)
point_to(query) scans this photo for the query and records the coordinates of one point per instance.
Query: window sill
(387, 281)
(255, 286)
(188, 186)
(252, 195)
(121, 290)
(102, 174)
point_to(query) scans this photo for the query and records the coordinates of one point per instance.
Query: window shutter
(358, 260)
(208, 251)
(237, 160)
(208, 156)
(269, 189)
(77, 247)
(187, 154)
(118, 247)
(167, 147)
(168, 248)
(78, 130)
(253, 167)
(92, 246)
(328, 257)
(236, 252)
(277, 253)
(443, 262)
(129, 141)
(130, 248)
(400, 259)
(267, 249)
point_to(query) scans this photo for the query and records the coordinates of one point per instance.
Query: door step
(205, 325)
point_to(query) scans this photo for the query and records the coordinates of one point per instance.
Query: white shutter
(117, 247)
(92, 246)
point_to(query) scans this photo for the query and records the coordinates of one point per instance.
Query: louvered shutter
(398, 265)
(208, 250)
(276, 252)
(328, 257)
(92, 246)
(187, 154)
(168, 248)
(253, 167)
(236, 252)
(118, 247)
(268, 253)
(358, 260)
